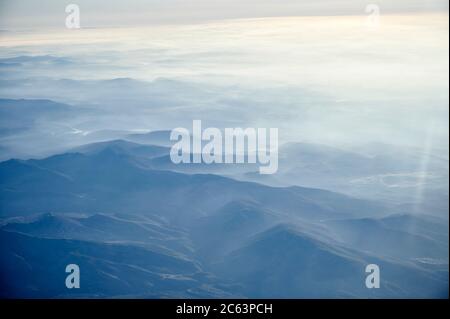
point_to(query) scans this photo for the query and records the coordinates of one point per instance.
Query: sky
(31, 14)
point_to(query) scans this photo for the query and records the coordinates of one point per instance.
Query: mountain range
(140, 230)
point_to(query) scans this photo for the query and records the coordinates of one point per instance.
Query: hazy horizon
(371, 77)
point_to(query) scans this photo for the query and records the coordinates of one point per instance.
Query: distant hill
(107, 270)
(97, 182)
(160, 138)
(284, 262)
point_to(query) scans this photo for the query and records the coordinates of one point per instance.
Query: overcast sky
(31, 14)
